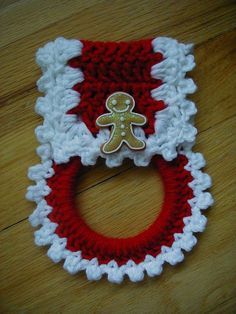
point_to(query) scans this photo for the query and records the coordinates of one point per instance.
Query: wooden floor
(205, 282)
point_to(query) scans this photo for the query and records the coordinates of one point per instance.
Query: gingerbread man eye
(127, 102)
(114, 102)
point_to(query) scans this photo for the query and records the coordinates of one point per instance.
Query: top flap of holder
(78, 78)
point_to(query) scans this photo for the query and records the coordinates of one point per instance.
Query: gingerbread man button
(122, 119)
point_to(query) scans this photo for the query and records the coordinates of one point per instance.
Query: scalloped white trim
(69, 137)
(151, 265)
(63, 136)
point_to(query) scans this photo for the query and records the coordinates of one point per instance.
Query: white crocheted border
(151, 265)
(63, 136)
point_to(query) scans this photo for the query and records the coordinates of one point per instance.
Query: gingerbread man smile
(122, 119)
(114, 103)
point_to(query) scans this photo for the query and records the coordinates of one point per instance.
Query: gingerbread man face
(122, 119)
(120, 102)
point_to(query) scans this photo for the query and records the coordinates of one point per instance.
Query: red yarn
(80, 237)
(109, 67)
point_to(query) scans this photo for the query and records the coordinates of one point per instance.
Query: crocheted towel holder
(117, 100)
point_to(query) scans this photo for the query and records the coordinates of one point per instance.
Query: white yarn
(152, 265)
(63, 136)
(69, 136)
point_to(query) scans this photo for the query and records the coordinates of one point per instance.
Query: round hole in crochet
(124, 202)
(72, 226)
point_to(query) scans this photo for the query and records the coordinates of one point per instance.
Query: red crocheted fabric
(109, 67)
(136, 93)
(80, 237)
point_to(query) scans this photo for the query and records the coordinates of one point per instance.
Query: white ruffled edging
(73, 261)
(63, 136)
(66, 136)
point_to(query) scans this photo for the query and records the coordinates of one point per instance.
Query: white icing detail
(114, 102)
(122, 126)
(123, 133)
(152, 265)
(122, 119)
(121, 110)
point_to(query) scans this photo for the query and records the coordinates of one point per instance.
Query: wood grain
(205, 282)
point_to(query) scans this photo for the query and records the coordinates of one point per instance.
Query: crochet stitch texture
(78, 76)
